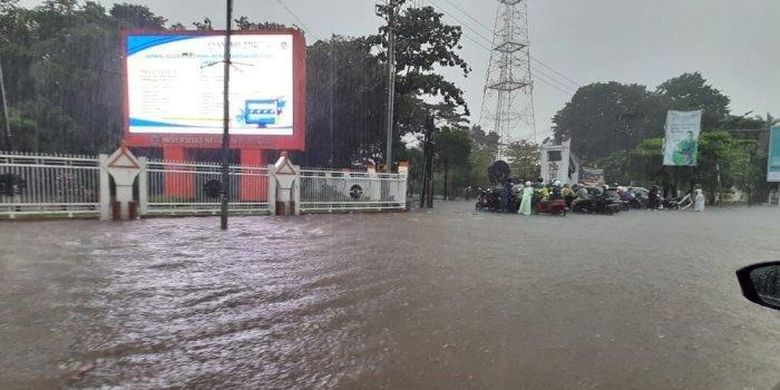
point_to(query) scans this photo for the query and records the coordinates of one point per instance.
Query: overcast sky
(734, 44)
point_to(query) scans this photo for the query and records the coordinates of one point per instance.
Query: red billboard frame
(297, 141)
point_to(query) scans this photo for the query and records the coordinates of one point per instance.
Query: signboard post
(225, 193)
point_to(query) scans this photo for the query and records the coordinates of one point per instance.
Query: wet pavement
(442, 299)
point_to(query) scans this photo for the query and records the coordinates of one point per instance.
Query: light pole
(226, 122)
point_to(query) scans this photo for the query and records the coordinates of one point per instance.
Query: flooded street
(444, 299)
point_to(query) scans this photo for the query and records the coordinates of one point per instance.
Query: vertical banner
(773, 166)
(681, 142)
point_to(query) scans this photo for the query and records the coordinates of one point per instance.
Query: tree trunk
(446, 187)
(429, 202)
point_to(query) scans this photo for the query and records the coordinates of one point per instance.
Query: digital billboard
(174, 89)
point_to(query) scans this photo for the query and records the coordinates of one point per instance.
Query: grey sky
(735, 44)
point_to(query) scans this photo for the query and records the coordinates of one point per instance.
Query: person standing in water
(525, 202)
(698, 201)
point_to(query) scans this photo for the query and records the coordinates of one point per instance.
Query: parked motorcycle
(492, 199)
(669, 204)
(598, 204)
(552, 206)
(618, 200)
(488, 199)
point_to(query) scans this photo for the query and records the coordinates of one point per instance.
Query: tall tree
(453, 147)
(345, 114)
(690, 91)
(484, 140)
(424, 45)
(137, 16)
(603, 118)
(524, 157)
(62, 64)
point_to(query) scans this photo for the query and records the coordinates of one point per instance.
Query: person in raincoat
(525, 202)
(698, 201)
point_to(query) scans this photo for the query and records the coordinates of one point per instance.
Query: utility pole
(226, 121)
(426, 195)
(330, 105)
(5, 108)
(390, 84)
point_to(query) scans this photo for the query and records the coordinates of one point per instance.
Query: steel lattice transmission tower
(507, 105)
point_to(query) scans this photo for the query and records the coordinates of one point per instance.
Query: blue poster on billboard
(773, 168)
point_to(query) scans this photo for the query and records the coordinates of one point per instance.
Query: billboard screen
(174, 88)
(773, 169)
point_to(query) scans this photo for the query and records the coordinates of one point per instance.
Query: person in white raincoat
(525, 202)
(698, 201)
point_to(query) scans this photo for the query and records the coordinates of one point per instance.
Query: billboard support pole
(226, 122)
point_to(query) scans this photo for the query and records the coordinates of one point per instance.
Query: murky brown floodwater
(442, 300)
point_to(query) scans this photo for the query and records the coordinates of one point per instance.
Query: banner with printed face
(681, 143)
(773, 168)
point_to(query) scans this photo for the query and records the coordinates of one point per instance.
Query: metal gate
(49, 185)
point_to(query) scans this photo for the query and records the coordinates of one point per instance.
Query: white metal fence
(56, 185)
(194, 188)
(333, 191)
(72, 186)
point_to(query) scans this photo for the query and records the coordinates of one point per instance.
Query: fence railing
(57, 185)
(332, 191)
(71, 186)
(194, 188)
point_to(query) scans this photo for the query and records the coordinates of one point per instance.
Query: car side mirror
(761, 283)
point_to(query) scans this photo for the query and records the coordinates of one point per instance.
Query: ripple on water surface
(189, 305)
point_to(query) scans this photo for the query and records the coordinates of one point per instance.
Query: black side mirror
(761, 283)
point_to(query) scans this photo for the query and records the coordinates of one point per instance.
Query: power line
(559, 74)
(297, 19)
(483, 25)
(556, 72)
(547, 79)
(567, 82)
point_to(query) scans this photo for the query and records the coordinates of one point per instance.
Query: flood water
(442, 299)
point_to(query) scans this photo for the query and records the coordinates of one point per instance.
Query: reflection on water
(421, 300)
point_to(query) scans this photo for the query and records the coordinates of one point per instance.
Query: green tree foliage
(424, 44)
(345, 105)
(485, 146)
(690, 91)
(482, 140)
(641, 165)
(62, 70)
(603, 118)
(137, 16)
(62, 66)
(479, 161)
(524, 160)
(453, 147)
(718, 151)
(243, 23)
